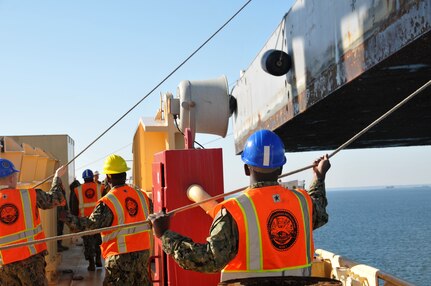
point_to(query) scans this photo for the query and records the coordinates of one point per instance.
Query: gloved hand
(160, 222)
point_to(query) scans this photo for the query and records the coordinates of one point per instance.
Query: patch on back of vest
(9, 213)
(89, 193)
(282, 229)
(276, 198)
(131, 206)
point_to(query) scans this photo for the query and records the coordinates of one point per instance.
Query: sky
(75, 67)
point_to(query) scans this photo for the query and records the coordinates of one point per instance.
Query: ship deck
(74, 266)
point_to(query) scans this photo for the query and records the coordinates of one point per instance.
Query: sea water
(387, 228)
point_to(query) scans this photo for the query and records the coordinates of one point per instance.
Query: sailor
(82, 202)
(96, 177)
(60, 224)
(265, 231)
(126, 251)
(104, 183)
(20, 222)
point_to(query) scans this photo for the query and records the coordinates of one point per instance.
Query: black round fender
(276, 62)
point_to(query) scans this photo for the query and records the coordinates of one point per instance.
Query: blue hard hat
(264, 149)
(87, 174)
(6, 168)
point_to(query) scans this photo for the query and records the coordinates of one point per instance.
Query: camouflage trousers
(127, 269)
(92, 246)
(27, 272)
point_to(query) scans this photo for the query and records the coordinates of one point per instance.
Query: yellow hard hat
(115, 164)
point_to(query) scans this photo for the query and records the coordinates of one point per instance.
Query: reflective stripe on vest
(254, 244)
(21, 235)
(253, 274)
(83, 205)
(120, 234)
(143, 203)
(26, 205)
(120, 215)
(30, 228)
(253, 261)
(125, 231)
(306, 219)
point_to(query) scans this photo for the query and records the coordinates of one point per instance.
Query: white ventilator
(197, 194)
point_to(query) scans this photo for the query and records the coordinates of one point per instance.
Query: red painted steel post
(173, 172)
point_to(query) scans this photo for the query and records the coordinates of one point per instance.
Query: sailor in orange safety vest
(126, 250)
(82, 202)
(264, 232)
(20, 222)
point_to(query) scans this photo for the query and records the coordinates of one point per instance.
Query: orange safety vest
(128, 205)
(88, 195)
(20, 222)
(275, 233)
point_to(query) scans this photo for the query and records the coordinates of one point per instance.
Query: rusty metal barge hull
(352, 62)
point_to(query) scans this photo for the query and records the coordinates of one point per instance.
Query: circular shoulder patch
(131, 206)
(282, 229)
(9, 213)
(89, 193)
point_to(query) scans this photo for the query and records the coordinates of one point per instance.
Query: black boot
(98, 261)
(91, 266)
(98, 257)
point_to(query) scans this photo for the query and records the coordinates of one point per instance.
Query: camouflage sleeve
(317, 193)
(54, 197)
(102, 216)
(65, 207)
(221, 246)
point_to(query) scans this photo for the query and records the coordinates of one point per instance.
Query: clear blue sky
(75, 67)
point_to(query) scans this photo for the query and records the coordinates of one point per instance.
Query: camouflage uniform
(222, 245)
(124, 269)
(91, 242)
(31, 271)
(60, 224)
(127, 269)
(27, 272)
(92, 246)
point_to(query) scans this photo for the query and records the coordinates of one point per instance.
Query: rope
(152, 90)
(187, 207)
